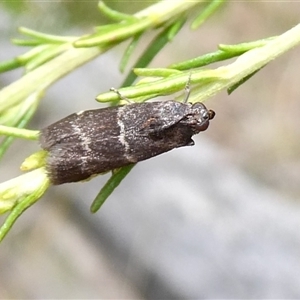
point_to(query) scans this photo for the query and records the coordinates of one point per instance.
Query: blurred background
(217, 220)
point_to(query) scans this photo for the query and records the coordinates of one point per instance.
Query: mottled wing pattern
(156, 116)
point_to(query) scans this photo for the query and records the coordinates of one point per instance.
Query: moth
(91, 142)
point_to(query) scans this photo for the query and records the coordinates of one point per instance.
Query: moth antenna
(120, 95)
(187, 88)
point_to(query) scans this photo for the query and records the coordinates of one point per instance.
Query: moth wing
(71, 162)
(64, 164)
(164, 115)
(61, 153)
(59, 132)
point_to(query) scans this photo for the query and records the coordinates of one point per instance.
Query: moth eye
(211, 114)
(205, 114)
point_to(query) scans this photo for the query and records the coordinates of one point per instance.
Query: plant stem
(248, 63)
(47, 74)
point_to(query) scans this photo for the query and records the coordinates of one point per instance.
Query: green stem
(23, 204)
(210, 82)
(149, 18)
(47, 74)
(250, 62)
(163, 86)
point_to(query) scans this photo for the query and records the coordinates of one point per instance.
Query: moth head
(200, 117)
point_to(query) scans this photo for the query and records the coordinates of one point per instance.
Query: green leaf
(204, 60)
(128, 52)
(26, 43)
(47, 38)
(19, 132)
(206, 13)
(9, 65)
(175, 28)
(110, 186)
(225, 52)
(161, 40)
(155, 72)
(163, 86)
(120, 33)
(113, 14)
(21, 120)
(244, 47)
